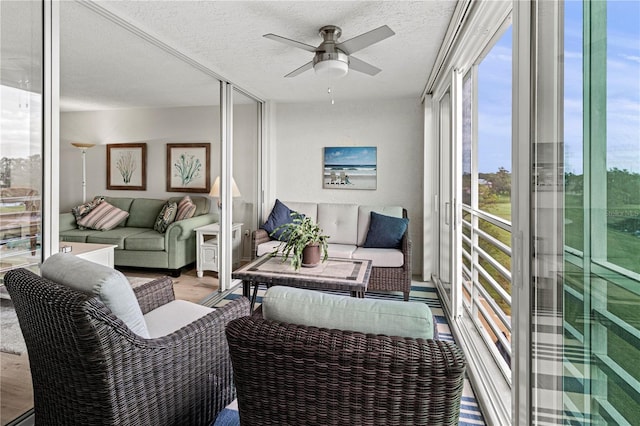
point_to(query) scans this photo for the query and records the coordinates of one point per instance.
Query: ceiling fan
(333, 58)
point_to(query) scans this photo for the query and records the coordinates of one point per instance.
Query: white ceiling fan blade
(290, 42)
(365, 40)
(300, 70)
(362, 66)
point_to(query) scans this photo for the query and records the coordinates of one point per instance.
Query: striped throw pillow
(186, 208)
(104, 217)
(84, 209)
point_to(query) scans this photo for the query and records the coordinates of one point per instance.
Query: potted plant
(303, 241)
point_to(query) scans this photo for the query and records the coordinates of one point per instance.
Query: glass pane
(573, 127)
(601, 279)
(494, 129)
(20, 135)
(623, 134)
(467, 136)
(246, 144)
(444, 264)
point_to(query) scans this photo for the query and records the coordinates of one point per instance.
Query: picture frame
(127, 166)
(350, 167)
(188, 167)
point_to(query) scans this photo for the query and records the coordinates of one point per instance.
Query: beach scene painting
(350, 167)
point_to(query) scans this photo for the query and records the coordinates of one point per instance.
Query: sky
(350, 156)
(623, 93)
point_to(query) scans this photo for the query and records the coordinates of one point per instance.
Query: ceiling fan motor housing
(329, 60)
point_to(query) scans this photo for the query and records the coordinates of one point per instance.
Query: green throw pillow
(166, 217)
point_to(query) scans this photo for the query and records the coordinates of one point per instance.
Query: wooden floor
(16, 393)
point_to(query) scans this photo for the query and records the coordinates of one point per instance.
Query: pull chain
(331, 95)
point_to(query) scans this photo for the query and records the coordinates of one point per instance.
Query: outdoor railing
(486, 261)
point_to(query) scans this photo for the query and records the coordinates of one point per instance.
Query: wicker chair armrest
(406, 251)
(154, 294)
(192, 365)
(258, 237)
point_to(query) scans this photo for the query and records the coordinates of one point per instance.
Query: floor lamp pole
(83, 147)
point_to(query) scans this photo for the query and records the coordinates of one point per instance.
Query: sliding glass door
(445, 199)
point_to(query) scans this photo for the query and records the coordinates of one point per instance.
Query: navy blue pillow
(385, 231)
(280, 215)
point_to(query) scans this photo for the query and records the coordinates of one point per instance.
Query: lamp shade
(215, 189)
(82, 145)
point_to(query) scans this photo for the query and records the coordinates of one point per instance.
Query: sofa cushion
(280, 215)
(77, 235)
(122, 203)
(103, 217)
(341, 251)
(386, 231)
(364, 218)
(186, 209)
(149, 240)
(173, 316)
(143, 212)
(306, 209)
(115, 236)
(166, 217)
(317, 309)
(380, 257)
(109, 285)
(339, 222)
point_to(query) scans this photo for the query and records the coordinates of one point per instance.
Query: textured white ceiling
(104, 65)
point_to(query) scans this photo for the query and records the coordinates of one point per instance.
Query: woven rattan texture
(294, 375)
(88, 368)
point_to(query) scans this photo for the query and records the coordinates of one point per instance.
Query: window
(486, 186)
(21, 136)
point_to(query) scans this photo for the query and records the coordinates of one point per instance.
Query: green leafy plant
(187, 168)
(297, 235)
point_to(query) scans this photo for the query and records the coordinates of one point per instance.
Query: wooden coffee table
(350, 275)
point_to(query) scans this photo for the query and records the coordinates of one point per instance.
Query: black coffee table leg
(254, 296)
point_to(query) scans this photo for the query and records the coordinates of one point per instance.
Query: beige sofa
(347, 226)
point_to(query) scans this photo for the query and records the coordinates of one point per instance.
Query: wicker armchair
(89, 368)
(288, 374)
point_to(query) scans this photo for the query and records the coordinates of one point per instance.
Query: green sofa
(138, 244)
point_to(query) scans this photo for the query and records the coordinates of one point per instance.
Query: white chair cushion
(172, 316)
(380, 257)
(314, 308)
(339, 222)
(364, 218)
(108, 284)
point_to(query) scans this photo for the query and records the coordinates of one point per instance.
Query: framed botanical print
(188, 168)
(127, 166)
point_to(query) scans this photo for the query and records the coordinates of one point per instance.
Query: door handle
(447, 212)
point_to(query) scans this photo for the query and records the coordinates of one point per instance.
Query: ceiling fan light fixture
(331, 65)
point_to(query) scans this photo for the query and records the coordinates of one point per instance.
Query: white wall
(394, 126)
(156, 127)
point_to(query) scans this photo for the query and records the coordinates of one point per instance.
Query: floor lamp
(84, 147)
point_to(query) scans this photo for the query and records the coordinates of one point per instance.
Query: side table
(208, 246)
